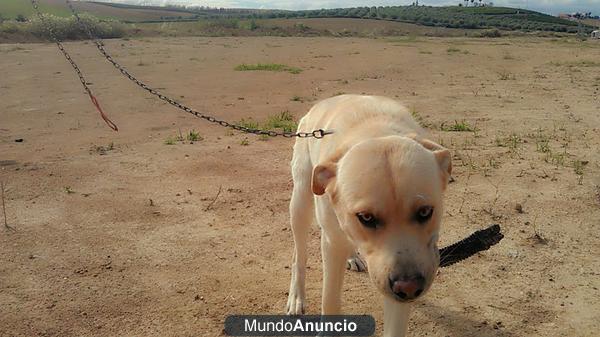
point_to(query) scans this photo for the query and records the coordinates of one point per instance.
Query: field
(9, 9)
(169, 225)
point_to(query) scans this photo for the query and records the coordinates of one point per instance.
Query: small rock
(519, 208)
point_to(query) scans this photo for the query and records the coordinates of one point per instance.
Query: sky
(546, 6)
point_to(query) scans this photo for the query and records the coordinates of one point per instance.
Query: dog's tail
(479, 241)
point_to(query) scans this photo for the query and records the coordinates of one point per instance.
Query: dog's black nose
(407, 288)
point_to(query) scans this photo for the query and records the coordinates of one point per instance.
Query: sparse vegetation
(578, 168)
(268, 67)
(508, 56)
(170, 141)
(193, 136)
(555, 158)
(505, 75)
(284, 121)
(457, 126)
(512, 142)
(418, 118)
(575, 64)
(492, 33)
(248, 123)
(102, 150)
(64, 28)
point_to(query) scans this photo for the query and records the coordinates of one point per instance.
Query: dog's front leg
(395, 317)
(335, 254)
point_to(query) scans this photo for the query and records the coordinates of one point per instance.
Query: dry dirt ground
(125, 239)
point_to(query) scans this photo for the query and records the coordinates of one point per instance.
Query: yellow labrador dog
(375, 186)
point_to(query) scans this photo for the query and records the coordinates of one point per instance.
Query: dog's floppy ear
(322, 176)
(442, 156)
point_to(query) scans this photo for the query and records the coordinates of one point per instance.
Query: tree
(21, 18)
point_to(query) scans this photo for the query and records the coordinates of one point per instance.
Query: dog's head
(387, 194)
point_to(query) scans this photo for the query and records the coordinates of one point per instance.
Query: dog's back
(353, 117)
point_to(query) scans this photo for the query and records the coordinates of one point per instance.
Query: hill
(448, 16)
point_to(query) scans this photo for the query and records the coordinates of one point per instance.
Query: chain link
(320, 133)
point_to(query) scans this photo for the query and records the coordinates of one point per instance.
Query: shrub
(65, 28)
(491, 33)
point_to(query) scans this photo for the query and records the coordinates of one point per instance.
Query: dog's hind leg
(301, 216)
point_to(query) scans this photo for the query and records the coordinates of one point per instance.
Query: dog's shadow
(460, 324)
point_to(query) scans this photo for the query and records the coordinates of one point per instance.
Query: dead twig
(490, 210)
(4, 207)
(214, 200)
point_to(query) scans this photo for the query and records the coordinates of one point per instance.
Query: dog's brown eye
(424, 214)
(368, 220)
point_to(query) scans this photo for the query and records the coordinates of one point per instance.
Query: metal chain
(320, 133)
(87, 89)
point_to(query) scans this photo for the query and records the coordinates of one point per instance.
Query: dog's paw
(356, 263)
(295, 304)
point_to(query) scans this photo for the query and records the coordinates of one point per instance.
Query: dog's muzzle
(407, 288)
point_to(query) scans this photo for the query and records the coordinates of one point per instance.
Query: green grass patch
(193, 136)
(578, 166)
(268, 67)
(284, 121)
(170, 141)
(462, 126)
(248, 123)
(512, 142)
(418, 118)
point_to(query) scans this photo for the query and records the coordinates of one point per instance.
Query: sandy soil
(121, 240)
